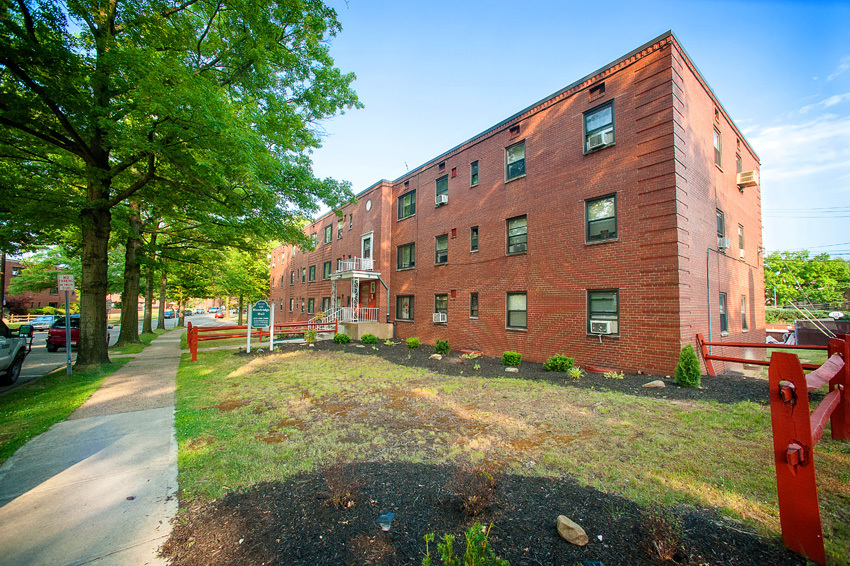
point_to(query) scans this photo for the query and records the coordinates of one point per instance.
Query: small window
(339, 224)
(599, 127)
(326, 304)
(407, 205)
(603, 305)
(717, 160)
(314, 239)
(517, 235)
(302, 305)
(473, 305)
(740, 237)
(514, 131)
(724, 317)
(338, 264)
(312, 274)
(441, 249)
(303, 274)
(291, 305)
(602, 218)
(292, 277)
(721, 224)
(473, 173)
(517, 310)
(441, 303)
(281, 281)
(473, 239)
(739, 165)
(515, 161)
(404, 307)
(744, 325)
(442, 166)
(326, 270)
(328, 233)
(406, 256)
(54, 290)
(442, 195)
(350, 221)
(311, 306)
(16, 271)
(597, 89)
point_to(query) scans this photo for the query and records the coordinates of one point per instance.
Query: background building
(611, 221)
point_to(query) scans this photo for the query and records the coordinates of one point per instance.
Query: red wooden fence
(197, 334)
(795, 434)
(707, 357)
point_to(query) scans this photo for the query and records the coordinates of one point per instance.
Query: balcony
(356, 264)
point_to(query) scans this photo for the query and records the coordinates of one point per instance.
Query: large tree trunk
(2, 283)
(147, 325)
(181, 316)
(132, 272)
(160, 323)
(96, 226)
(241, 299)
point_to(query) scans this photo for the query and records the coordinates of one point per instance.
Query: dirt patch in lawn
(294, 523)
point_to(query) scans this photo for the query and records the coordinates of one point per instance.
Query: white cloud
(842, 67)
(826, 103)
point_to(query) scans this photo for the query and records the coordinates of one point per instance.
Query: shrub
(614, 375)
(470, 356)
(511, 358)
(558, 363)
(477, 553)
(310, 336)
(343, 486)
(575, 373)
(413, 342)
(389, 342)
(342, 338)
(688, 373)
(442, 347)
(474, 488)
(369, 339)
(662, 531)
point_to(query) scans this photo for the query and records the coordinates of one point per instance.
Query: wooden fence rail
(708, 357)
(197, 334)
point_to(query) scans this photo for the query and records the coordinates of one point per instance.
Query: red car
(56, 333)
(219, 314)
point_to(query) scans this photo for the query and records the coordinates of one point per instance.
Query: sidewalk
(100, 487)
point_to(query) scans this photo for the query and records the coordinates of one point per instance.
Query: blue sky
(433, 74)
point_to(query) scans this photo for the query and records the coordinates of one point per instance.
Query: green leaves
(794, 276)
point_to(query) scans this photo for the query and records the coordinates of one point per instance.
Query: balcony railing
(352, 314)
(356, 264)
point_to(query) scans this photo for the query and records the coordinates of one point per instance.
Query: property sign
(260, 315)
(65, 282)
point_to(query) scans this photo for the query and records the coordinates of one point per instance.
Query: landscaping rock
(359, 346)
(656, 383)
(435, 357)
(571, 531)
(512, 370)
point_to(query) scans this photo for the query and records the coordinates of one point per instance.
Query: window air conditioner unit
(441, 199)
(748, 178)
(600, 139)
(600, 326)
(439, 317)
(722, 243)
(741, 254)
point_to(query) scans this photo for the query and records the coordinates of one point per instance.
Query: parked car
(14, 347)
(219, 314)
(45, 321)
(188, 312)
(199, 310)
(213, 310)
(56, 334)
(168, 314)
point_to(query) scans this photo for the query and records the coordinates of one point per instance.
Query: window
(515, 161)
(599, 127)
(724, 318)
(473, 173)
(717, 160)
(407, 205)
(442, 195)
(339, 229)
(739, 165)
(406, 256)
(54, 290)
(740, 238)
(339, 264)
(328, 233)
(292, 277)
(404, 307)
(272, 282)
(744, 325)
(602, 218)
(326, 304)
(473, 305)
(311, 306)
(281, 280)
(473, 239)
(517, 310)
(350, 221)
(16, 271)
(517, 235)
(603, 305)
(314, 238)
(303, 274)
(326, 270)
(441, 304)
(312, 273)
(721, 225)
(442, 249)
(302, 305)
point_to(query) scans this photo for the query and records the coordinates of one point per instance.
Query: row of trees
(801, 277)
(179, 129)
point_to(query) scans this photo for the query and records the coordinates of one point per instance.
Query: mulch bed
(294, 522)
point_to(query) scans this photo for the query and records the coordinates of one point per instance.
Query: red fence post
(793, 452)
(192, 339)
(709, 368)
(840, 419)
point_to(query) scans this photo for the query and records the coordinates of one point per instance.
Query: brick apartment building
(611, 221)
(50, 297)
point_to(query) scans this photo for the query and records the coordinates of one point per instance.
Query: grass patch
(33, 408)
(243, 420)
(806, 356)
(146, 339)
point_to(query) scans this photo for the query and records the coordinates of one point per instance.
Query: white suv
(14, 347)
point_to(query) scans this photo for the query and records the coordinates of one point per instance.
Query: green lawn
(243, 421)
(146, 339)
(33, 408)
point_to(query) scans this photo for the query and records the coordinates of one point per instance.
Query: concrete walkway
(99, 488)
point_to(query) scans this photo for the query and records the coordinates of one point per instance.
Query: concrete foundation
(356, 330)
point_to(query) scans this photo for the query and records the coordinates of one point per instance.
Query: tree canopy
(797, 277)
(199, 106)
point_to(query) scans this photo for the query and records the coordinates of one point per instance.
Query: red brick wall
(42, 298)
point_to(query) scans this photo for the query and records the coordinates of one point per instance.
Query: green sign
(260, 315)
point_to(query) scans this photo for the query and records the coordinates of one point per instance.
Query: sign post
(248, 350)
(65, 282)
(259, 316)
